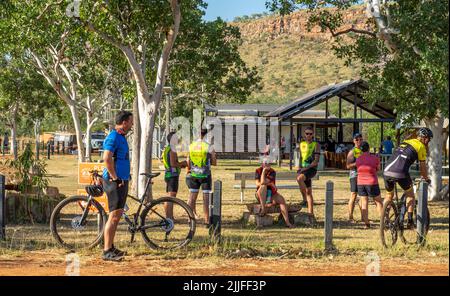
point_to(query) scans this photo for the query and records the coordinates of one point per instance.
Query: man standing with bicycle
(397, 168)
(116, 176)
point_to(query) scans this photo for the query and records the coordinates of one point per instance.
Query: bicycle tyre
(151, 241)
(57, 211)
(388, 226)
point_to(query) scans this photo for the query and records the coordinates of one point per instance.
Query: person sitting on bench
(266, 191)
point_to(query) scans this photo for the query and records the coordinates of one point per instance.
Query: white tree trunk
(135, 149)
(14, 148)
(78, 131)
(37, 129)
(87, 138)
(435, 155)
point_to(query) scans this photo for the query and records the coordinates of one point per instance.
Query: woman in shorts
(367, 166)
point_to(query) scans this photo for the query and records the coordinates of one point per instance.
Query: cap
(357, 135)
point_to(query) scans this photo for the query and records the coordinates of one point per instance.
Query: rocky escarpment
(295, 24)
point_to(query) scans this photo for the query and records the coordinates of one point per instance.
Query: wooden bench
(243, 177)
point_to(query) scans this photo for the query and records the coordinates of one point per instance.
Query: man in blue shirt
(116, 176)
(387, 146)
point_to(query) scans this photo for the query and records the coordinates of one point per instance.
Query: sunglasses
(308, 134)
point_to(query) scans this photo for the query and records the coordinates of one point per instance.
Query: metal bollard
(422, 213)
(329, 216)
(2, 208)
(215, 211)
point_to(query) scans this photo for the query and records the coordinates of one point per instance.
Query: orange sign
(84, 177)
(102, 200)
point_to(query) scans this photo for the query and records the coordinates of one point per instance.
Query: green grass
(242, 241)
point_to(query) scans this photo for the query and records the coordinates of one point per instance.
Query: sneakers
(113, 254)
(117, 251)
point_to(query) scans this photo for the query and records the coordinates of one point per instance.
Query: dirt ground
(30, 249)
(45, 264)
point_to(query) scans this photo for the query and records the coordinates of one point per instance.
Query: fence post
(422, 213)
(329, 216)
(2, 208)
(215, 211)
(48, 149)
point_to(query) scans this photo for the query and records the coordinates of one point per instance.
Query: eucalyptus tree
(403, 50)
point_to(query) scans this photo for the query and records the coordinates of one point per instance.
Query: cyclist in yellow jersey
(172, 170)
(201, 157)
(397, 168)
(353, 176)
(309, 160)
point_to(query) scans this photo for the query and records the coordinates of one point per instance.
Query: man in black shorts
(397, 168)
(115, 179)
(172, 170)
(309, 159)
(352, 156)
(201, 157)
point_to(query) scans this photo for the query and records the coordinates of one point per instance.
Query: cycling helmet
(94, 190)
(425, 132)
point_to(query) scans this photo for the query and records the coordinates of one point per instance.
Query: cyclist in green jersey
(309, 154)
(351, 165)
(172, 170)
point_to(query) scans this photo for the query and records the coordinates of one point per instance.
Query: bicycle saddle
(150, 176)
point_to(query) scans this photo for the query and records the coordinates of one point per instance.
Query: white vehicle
(96, 140)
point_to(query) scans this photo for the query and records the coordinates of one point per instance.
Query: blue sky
(229, 9)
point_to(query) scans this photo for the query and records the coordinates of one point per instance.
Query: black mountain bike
(394, 223)
(78, 222)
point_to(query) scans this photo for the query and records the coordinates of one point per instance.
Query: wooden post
(242, 188)
(48, 149)
(215, 211)
(329, 216)
(291, 131)
(422, 213)
(279, 143)
(341, 132)
(2, 208)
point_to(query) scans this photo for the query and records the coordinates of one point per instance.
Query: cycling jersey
(169, 171)
(356, 153)
(307, 151)
(403, 157)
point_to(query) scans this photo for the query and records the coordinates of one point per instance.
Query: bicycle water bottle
(269, 196)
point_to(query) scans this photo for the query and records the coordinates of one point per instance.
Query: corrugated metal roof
(349, 90)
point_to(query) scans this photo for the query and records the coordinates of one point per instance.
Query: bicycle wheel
(162, 230)
(78, 222)
(389, 225)
(409, 233)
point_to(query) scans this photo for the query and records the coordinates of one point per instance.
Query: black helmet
(425, 132)
(94, 190)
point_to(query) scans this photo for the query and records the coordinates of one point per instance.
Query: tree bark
(14, 132)
(434, 161)
(135, 149)
(78, 132)
(37, 128)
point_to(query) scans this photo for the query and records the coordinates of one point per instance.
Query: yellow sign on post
(84, 177)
